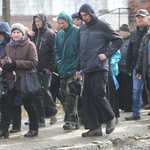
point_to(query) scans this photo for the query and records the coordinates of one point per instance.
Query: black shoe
(27, 122)
(54, 119)
(14, 130)
(90, 133)
(147, 107)
(132, 118)
(110, 127)
(4, 134)
(70, 126)
(31, 133)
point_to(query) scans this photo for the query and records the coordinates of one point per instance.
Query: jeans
(137, 94)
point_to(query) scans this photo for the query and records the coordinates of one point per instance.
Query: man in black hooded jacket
(94, 51)
(43, 37)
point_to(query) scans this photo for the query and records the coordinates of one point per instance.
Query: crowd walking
(114, 66)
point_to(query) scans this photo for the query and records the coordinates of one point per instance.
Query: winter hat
(18, 26)
(75, 15)
(125, 27)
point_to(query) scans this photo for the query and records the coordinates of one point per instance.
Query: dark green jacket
(66, 47)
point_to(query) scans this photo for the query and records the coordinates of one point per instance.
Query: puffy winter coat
(25, 56)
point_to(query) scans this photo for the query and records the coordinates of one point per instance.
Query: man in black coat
(132, 56)
(94, 51)
(43, 37)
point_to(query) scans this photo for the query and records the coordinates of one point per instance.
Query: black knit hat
(125, 27)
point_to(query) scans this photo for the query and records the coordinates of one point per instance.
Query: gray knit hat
(18, 26)
(125, 27)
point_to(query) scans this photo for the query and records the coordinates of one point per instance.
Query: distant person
(78, 22)
(94, 39)
(56, 27)
(112, 84)
(132, 56)
(76, 19)
(55, 80)
(124, 77)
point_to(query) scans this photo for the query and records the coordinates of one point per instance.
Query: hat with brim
(142, 12)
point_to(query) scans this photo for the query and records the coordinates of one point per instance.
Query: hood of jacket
(43, 18)
(65, 16)
(5, 29)
(90, 10)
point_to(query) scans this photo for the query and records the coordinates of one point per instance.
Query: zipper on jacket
(37, 38)
(41, 43)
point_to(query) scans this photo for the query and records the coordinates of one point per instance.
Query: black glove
(9, 67)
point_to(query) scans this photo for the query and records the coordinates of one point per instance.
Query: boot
(91, 133)
(4, 134)
(31, 133)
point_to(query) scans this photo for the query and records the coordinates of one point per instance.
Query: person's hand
(78, 75)
(31, 33)
(102, 57)
(48, 72)
(139, 76)
(9, 66)
(2, 62)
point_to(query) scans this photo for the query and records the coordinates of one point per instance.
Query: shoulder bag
(30, 85)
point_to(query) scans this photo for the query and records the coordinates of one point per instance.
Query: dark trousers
(125, 92)
(145, 94)
(112, 96)
(54, 87)
(96, 108)
(16, 117)
(7, 105)
(47, 98)
(38, 102)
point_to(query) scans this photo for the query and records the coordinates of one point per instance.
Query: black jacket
(141, 65)
(123, 51)
(134, 46)
(44, 41)
(95, 40)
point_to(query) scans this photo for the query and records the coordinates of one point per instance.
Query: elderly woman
(20, 55)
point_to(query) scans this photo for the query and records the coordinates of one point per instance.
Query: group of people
(81, 47)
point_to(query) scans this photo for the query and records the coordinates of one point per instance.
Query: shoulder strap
(67, 37)
(65, 42)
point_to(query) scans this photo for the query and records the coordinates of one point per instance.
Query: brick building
(134, 6)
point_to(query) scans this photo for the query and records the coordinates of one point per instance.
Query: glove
(9, 67)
